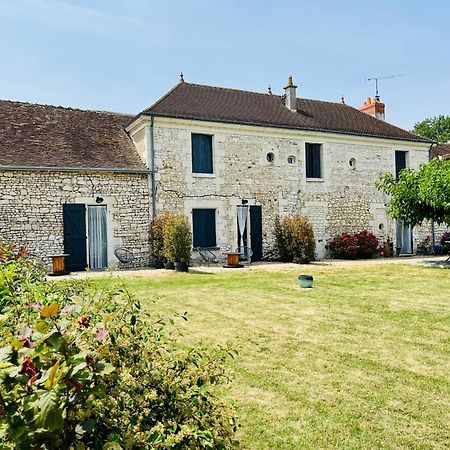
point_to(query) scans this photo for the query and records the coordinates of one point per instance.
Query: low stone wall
(31, 209)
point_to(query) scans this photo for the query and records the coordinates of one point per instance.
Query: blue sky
(123, 55)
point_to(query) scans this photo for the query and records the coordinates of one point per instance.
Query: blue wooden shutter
(74, 223)
(204, 227)
(312, 160)
(316, 160)
(202, 161)
(400, 162)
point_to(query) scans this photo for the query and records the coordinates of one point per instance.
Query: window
(202, 157)
(313, 169)
(204, 227)
(400, 162)
(352, 163)
(291, 159)
(270, 157)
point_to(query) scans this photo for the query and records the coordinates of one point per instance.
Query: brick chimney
(374, 107)
(290, 100)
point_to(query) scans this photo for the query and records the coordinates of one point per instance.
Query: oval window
(352, 163)
(270, 157)
(291, 159)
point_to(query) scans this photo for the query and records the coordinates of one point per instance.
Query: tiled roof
(441, 150)
(49, 136)
(199, 102)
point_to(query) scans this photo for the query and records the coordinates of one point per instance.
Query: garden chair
(245, 254)
(207, 255)
(124, 255)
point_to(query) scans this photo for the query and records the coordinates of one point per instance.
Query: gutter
(73, 169)
(281, 127)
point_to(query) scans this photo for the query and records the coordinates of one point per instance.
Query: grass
(361, 361)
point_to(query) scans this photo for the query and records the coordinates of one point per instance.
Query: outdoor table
(232, 260)
(58, 264)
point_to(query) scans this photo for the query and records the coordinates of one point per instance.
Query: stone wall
(344, 199)
(31, 209)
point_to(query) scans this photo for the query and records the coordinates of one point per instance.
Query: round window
(270, 157)
(381, 226)
(291, 159)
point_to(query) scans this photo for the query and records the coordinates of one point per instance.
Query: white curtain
(98, 257)
(242, 212)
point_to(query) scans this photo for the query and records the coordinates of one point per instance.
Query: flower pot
(158, 264)
(169, 265)
(181, 266)
(305, 281)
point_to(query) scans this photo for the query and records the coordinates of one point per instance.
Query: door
(404, 238)
(74, 222)
(98, 242)
(256, 232)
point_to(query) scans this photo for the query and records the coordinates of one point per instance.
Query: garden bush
(294, 239)
(177, 239)
(157, 235)
(83, 368)
(445, 238)
(363, 244)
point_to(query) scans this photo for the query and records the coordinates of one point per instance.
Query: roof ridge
(67, 108)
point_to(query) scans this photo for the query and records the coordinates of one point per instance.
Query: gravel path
(427, 261)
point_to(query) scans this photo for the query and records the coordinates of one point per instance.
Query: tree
(418, 195)
(436, 128)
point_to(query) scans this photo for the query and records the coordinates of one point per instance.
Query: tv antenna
(385, 77)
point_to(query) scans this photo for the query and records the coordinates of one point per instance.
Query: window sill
(314, 180)
(204, 175)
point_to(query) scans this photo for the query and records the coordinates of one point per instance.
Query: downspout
(433, 232)
(151, 162)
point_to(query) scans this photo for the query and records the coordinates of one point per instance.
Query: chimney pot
(290, 97)
(374, 107)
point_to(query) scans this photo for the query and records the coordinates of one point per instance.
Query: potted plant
(177, 242)
(305, 281)
(157, 239)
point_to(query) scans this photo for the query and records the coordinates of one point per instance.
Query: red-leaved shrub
(362, 244)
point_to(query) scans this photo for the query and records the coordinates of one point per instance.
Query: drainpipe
(433, 232)
(151, 162)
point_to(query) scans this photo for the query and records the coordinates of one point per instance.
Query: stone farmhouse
(87, 182)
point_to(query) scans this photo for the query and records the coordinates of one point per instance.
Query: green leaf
(78, 367)
(104, 368)
(5, 353)
(85, 427)
(42, 327)
(49, 415)
(99, 390)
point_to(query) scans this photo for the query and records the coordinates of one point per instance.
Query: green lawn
(361, 361)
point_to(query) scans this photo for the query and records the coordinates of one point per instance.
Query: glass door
(97, 238)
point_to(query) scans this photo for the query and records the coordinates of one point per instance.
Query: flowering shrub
(445, 239)
(362, 244)
(84, 368)
(295, 239)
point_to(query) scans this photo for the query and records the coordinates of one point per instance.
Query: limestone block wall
(344, 199)
(31, 209)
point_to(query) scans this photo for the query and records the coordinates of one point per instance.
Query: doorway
(85, 236)
(404, 238)
(249, 228)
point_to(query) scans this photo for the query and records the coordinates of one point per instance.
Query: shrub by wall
(294, 237)
(363, 244)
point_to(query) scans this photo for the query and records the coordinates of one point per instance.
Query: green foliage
(436, 128)
(87, 369)
(157, 235)
(419, 195)
(294, 239)
(177, 239)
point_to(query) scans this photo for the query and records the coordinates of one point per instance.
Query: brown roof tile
(51, 136)
(199, 102)
(441, 150)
